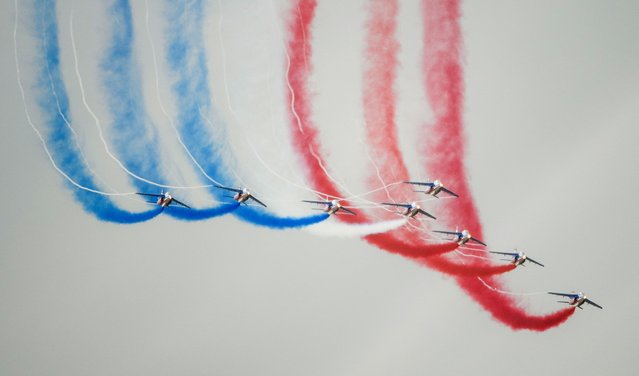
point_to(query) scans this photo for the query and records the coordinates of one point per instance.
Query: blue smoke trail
(137, 145)
(59, 138)
(261, 217)
(187, 60)
(194, 215)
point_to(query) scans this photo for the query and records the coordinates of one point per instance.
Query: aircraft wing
(317, 202)
(258, 201)
(505, 253)
(149, 194)
(447, 232)
(426, 214)
(419, 183)
(402, 205)
(347, 210)
(593, 303)
(571, 296)
(229, 189)
(478, 241)
(534, 262)
(450, 192)
(181, 203)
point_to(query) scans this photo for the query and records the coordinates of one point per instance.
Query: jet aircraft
(462, 237)
(576, 299)
(434, 188)
(331, 206)
(410, 209)
(242, 195)
(519, 258)
(164, 199)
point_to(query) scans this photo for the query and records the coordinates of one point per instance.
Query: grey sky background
(552, 99)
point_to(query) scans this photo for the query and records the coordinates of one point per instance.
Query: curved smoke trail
(135, 139)
(187, 60)
(443, 76)
(502, 308)
(55, 109)
(305, 134)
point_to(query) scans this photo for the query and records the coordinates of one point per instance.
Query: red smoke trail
(447, 110)
(505, 309)
(468, 270)
(416, 251)
(444, 86)
(379, 114)
(379, 94)
(305, 133)
(443, 81)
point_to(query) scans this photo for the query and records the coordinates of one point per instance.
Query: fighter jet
(331, 206)
(519, 258)
(164, 199)
(576, 299)
(242, 195)
(462, 237)
(410, 209)
(434, 188)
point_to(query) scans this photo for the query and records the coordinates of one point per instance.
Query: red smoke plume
(444, 85)
(443, 79)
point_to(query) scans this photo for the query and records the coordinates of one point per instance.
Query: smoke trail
(468, 270)
(58, 139)
(355, 230)
(200, 214)
(187, 60)
(506, 309)
(443, 77)
(133, 135)
(391, 244)
(503, 309)
(259, 217)
(379, 93)
(305, 134)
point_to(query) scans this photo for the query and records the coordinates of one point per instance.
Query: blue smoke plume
(53, 101)
(134, 138)
(187, 60)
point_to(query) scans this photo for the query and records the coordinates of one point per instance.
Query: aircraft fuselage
(411, 212)
(241, 197)
(164, 201)
(578, 302)
(434, 191)
(332, 208)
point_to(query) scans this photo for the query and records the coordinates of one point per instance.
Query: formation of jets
(412, 209)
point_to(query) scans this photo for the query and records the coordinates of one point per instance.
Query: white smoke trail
(339, 229)
(510, 292)
(236, 117)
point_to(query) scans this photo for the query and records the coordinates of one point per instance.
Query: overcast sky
(552, 116)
